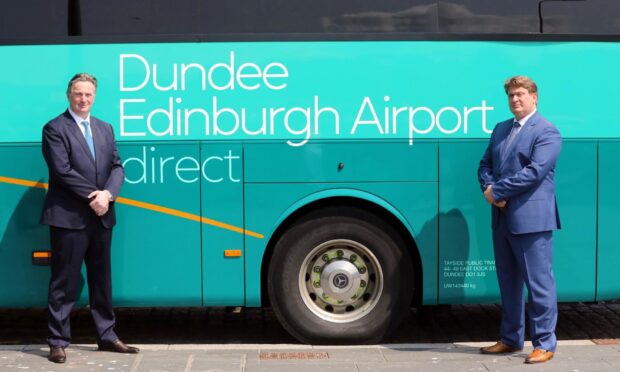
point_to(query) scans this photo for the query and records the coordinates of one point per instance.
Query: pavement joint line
(190, 363)
(244, 360)
(136, 363)
(181, 347)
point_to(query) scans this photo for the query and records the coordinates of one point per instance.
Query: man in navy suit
(85, 176)
(517, 174)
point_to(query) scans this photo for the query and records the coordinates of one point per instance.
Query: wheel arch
(317, 204)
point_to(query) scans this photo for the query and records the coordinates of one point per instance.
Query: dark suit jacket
(74, 174)
(523, 173)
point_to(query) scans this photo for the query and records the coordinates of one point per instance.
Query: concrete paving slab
(200, 358)
(420, 366)
(431, 354)
(299, 367)
(362, 355)
(157, 361)
(11, 347)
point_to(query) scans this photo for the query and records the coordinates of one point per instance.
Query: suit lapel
(73, 129)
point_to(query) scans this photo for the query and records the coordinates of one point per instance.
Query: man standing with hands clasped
(516, 174)
(85, 176)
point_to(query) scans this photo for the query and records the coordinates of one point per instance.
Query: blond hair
(520, 81)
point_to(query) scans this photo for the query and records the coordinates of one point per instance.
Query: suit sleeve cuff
(110, 196)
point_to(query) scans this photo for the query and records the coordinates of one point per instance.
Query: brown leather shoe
(57, 354)
(499, 348)
(539, 356)
(118, 346)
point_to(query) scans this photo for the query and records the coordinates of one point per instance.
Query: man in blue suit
(516, 174)
(85, 176)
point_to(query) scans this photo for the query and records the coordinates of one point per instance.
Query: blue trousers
(526, 259)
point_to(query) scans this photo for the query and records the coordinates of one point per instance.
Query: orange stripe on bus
(189, 216)
(17, 181)
(147, 206)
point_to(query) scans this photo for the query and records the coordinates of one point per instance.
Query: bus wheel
(343, 278)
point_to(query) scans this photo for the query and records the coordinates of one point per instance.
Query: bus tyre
(340, 278)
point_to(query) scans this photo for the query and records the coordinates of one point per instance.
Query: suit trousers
(70, 248)
(526, 259)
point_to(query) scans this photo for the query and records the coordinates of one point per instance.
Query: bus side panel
(466, 261)
(156, 257)
(22, 284)
(222, 206)
(574, 255)
(608, 284)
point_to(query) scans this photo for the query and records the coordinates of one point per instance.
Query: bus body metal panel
(156, 257)
(574, 246)
(337, 161)
(608, 284)
(466, 262)
(23, 284)
(223, 278)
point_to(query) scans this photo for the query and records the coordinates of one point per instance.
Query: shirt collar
(525, 119)
(77, 118)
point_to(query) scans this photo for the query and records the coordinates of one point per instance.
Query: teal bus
(315, 157)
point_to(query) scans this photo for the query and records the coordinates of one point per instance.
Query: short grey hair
(82, 76)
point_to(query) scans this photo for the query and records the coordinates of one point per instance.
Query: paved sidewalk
(573, 356)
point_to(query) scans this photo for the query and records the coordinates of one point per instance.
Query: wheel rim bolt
(363, 284)
(362, 269)
(340, 253)
(316, 284)
(325, 258)
(317, 269)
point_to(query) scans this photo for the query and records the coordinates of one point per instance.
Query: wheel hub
(341, 280)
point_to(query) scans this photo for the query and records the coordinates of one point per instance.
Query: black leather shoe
(118, 346)
(57, 354)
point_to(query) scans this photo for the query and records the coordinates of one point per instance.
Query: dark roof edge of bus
(114, 39)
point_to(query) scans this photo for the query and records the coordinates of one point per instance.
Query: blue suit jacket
(523, 174)
(74, 174)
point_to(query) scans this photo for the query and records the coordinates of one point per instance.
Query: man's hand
(99, 202)
(488, 194)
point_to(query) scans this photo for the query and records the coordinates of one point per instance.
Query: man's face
(521, 102)
(81, 97)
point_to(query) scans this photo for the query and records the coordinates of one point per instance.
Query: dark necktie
(89, 137)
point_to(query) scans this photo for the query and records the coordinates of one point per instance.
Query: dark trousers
(526, 259)
(69, 249)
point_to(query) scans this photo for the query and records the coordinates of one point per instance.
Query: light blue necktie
(511, 136)
(89, 137)
(513, 132)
